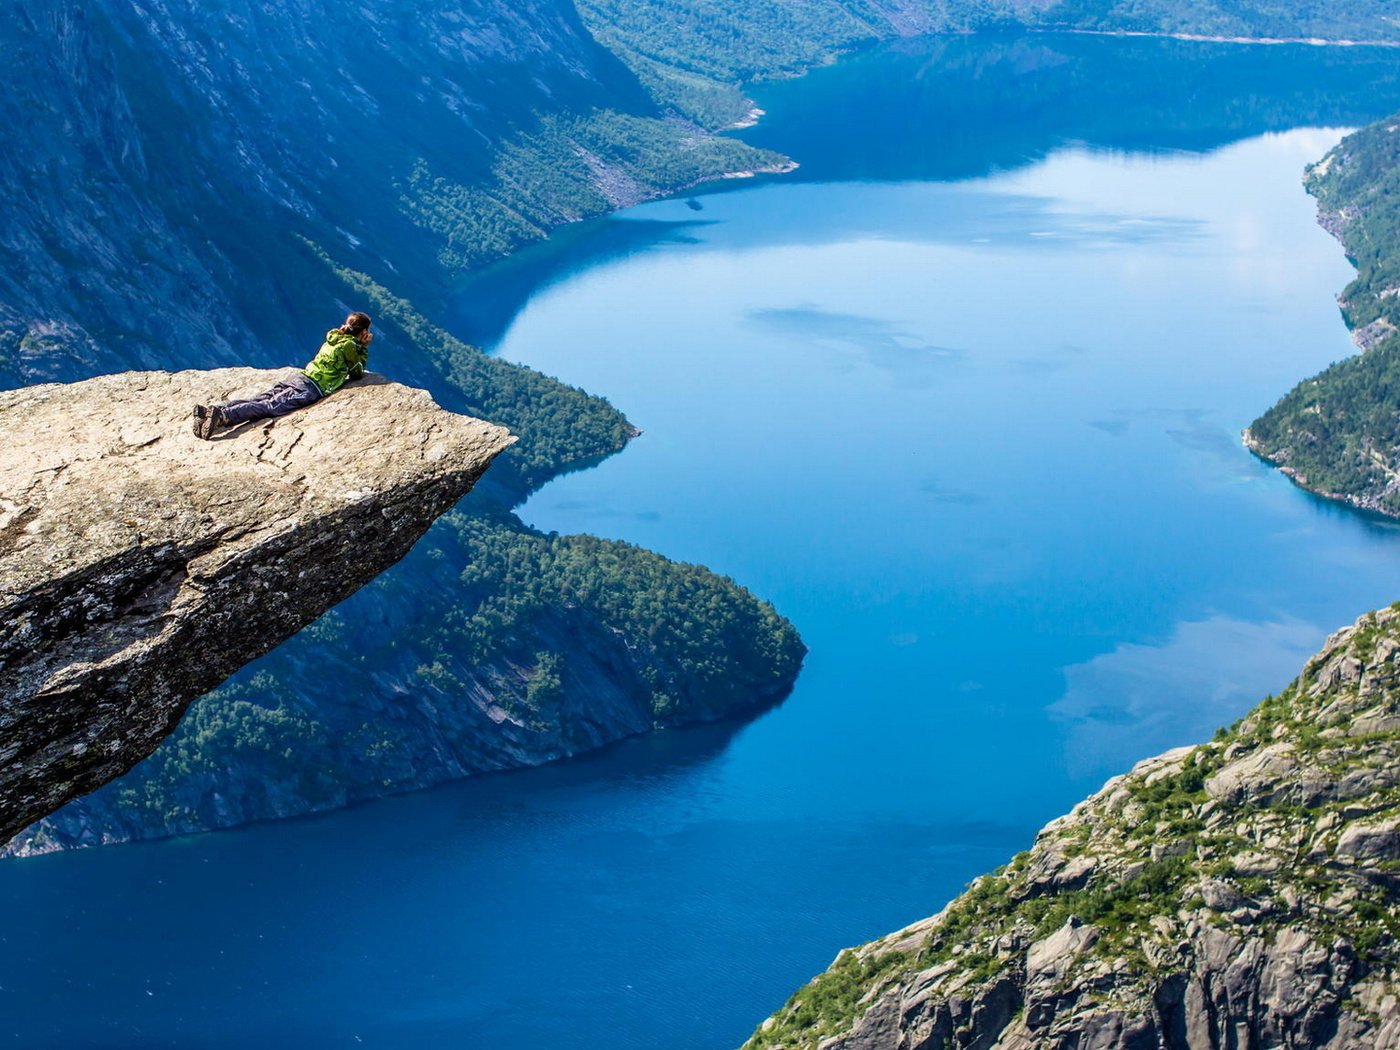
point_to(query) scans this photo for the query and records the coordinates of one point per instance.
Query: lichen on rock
(140, 566)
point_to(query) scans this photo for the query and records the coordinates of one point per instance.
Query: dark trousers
(287, 396)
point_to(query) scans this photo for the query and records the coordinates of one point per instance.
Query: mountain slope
(174, 154)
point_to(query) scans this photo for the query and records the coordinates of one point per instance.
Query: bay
(962, 397)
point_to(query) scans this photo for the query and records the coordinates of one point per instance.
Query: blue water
(974, 431)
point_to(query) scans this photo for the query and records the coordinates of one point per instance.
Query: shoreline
(1298, 478)
(1332, 223)
(1355, 504)
(750, 119)
(749, 173)
(1202, 38)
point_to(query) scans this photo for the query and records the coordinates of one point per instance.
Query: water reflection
(1183, 690)
(946, 108)
(883, 345)
(490, 298)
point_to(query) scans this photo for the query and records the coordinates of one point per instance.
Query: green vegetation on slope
(575, 640)
(1339, 432)
(695, 55)
(1357, 187)
(697, 635)
(569, 168)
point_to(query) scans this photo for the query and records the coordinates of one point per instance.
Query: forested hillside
(696, 55)
(1338, 433)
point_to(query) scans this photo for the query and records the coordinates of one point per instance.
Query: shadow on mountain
(489, 299)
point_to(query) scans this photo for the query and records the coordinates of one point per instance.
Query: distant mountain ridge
(696, 55)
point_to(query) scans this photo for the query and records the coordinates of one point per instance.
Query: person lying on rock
(342, 356)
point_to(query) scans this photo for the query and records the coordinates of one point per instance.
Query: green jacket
(341, 357)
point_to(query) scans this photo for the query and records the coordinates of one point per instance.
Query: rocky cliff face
(1243, 894)
(140, 566)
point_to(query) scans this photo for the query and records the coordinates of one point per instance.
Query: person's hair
(355, 323)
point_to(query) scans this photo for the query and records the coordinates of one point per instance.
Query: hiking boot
(206, 421)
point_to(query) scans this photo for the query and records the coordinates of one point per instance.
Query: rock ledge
(140, 566)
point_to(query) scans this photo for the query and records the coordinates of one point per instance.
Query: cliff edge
(140, 566)
(1244, 893)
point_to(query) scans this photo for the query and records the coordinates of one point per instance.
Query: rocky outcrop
(140, 566)
(1244, 894)
(1371, 335)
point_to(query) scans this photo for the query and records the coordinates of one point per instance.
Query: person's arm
(357, 365)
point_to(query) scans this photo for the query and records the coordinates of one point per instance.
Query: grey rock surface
(140, 566)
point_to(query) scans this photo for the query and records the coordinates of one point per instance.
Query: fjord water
(962, 396)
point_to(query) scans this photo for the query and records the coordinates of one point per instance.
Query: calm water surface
(970, 420)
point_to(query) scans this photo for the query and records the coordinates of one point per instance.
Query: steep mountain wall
(179, 154)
